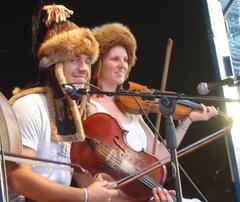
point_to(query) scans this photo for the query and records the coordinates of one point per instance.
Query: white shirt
(135, 137)
(33, 117)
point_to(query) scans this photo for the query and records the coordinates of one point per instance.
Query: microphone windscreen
(202, 88)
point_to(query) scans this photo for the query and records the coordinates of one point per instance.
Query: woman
(117, 56)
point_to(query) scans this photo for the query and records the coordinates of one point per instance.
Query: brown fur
(68, 45)
(113, 34)
(53, 108)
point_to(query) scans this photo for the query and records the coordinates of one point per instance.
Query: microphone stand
(167, 108)
(77, 93)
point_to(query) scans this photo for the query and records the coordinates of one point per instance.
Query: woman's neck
(106, 98)
(108, 87)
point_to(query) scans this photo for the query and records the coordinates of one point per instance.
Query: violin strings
(146, 180)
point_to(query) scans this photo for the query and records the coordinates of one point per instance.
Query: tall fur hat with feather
(64, 40)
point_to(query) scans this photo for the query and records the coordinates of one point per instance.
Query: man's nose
(82, 65)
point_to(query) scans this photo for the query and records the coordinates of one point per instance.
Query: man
(48, 119)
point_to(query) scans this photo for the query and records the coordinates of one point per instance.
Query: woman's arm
(161, 152)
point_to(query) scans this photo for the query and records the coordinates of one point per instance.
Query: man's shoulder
(32, 98)
(30, 102)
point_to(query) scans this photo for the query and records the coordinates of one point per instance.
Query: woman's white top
(135, 137)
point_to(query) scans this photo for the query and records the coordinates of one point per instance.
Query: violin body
(131, 104)
(105, 151)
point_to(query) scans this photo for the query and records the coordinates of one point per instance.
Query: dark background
(152, 22)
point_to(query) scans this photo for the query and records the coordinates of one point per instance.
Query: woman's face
(114, 66)
(77, 70)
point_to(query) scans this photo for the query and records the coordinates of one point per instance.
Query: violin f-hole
(115, 140)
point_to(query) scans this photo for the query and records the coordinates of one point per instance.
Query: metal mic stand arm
(158, 94)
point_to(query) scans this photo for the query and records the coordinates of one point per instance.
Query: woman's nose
(122, 64)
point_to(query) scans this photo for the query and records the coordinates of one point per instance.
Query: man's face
(78, 70)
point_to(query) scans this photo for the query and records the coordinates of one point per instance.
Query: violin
(105, 151)
(136, 105)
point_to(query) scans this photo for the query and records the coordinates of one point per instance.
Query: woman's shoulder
(96, 106)
(92, 107)
(93, 101)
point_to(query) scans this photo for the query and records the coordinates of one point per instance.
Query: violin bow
(183, 152)
(40, 162)
(163, 87)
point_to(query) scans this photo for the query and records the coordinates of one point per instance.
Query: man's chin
(81, 85)
(81, 81)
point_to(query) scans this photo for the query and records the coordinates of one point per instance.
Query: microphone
(74, 92)
(204, 88)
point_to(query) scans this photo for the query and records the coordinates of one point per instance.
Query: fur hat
(64, 40)
(114, 34)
